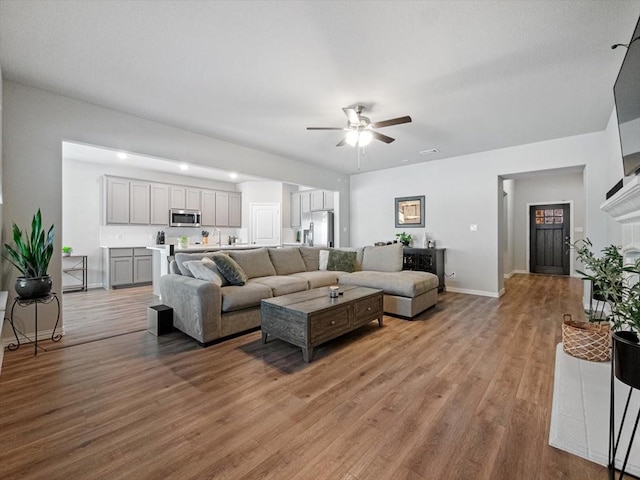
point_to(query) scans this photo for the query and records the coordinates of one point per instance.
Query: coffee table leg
(380, 321)
(264, 337)
(307, 354)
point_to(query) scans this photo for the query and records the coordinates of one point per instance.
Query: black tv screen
(627, 97)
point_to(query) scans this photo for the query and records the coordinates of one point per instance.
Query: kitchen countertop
(209, 247)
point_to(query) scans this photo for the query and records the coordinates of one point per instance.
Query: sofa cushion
(287, 260)
(310, 257)
(236, 298)
(387, 258)
(180, 258)
(323, 259)
(341, 260)
(206, 270)
(406, 283)
(230, 270)
(281, 285)
(255, 263)
(319, 278)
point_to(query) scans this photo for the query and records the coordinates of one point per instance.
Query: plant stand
(25, 302)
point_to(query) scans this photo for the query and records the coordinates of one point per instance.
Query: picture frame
(409, 212)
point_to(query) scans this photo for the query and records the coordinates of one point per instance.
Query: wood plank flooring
(462, 392)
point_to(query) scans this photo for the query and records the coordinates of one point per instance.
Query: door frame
(528, 232)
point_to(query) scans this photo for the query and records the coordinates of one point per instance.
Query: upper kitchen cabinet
(138, 203)
(117, 200)
(296, 217)
(208, 203)
(305, 202)
(321, 200)
(185, 198)
(235, 210)
(159, 204)
(228, 209)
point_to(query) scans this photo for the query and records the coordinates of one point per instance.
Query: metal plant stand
(25, 302)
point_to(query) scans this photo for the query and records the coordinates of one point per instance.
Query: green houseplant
(404, 238)
(31, 256)
(66, 251)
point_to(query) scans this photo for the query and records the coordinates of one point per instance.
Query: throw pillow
(206, 270)
(323, 259)
(230, 269)
(341, 261)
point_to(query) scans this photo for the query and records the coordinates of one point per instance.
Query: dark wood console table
(425, 260)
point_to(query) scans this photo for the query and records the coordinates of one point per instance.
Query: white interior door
(265, 224)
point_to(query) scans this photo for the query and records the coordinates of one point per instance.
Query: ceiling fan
(360, 130)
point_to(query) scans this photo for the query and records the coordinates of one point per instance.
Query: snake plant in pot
(31, 255)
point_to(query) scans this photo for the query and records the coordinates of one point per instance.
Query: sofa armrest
(196, 304)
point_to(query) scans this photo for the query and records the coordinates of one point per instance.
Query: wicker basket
(589, 341)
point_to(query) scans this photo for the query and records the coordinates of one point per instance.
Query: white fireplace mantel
(624, 206)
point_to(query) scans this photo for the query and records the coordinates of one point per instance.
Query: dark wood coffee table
(309, 318)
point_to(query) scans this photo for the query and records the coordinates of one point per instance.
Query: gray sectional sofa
(212, 309)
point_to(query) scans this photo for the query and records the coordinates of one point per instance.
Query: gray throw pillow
(206, 270)
(230, 269)
(341, 261)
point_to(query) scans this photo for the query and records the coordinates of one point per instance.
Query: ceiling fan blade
(351, 114)
(326, 128)
(341, 142)
(382, 138)
(393, 121)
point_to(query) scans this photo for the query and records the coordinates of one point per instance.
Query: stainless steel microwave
(184, 218)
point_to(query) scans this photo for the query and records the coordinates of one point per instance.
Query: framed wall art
(410, 212)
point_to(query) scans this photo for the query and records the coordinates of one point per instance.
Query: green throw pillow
(230, 269)
(341, 261)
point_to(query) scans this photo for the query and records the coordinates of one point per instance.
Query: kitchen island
(163, 254)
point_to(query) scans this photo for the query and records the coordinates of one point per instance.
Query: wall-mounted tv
(627, 97)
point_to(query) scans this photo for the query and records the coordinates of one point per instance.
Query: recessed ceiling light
(233, 175)
(184, 166)
(122, 155)
(429, 152)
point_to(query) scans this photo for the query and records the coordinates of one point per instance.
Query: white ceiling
(474, 75)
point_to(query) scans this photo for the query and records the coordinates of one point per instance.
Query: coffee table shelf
(310, 318)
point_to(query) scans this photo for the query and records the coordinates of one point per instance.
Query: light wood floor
(462, 392)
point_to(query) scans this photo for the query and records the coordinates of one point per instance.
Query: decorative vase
(33, 287)
(66, 254)
(626, 358)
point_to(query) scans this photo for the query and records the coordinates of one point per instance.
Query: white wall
(464, 190)
(82, 212)
(545, 189)
(36, 122)
(615, 172)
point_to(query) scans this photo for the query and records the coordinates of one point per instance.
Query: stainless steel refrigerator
(321, 229)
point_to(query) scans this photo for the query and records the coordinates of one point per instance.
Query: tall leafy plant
(32, 253)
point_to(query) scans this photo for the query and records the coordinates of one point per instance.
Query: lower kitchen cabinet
(126, 267)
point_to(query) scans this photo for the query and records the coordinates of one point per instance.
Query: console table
(425, 260)
(76, 268)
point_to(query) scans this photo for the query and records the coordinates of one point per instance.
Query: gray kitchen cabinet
(159, 195)
(185, 197)
(208, 201)
(117, 200)
(138, 203)
(222, 209)
(305, 202)
(126, 266)
(321, 200)
(296, 217)
(235, 210)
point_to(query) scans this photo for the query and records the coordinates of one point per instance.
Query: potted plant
(66, 251)
(404, 238)
(31, 255)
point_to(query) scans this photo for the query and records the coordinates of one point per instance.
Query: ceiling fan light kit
(360, 130)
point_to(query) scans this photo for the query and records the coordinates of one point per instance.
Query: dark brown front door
(549, 227)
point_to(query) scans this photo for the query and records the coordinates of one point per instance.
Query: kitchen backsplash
(127, 235)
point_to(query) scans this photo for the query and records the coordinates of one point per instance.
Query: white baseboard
(524, 272)
(480, 293)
